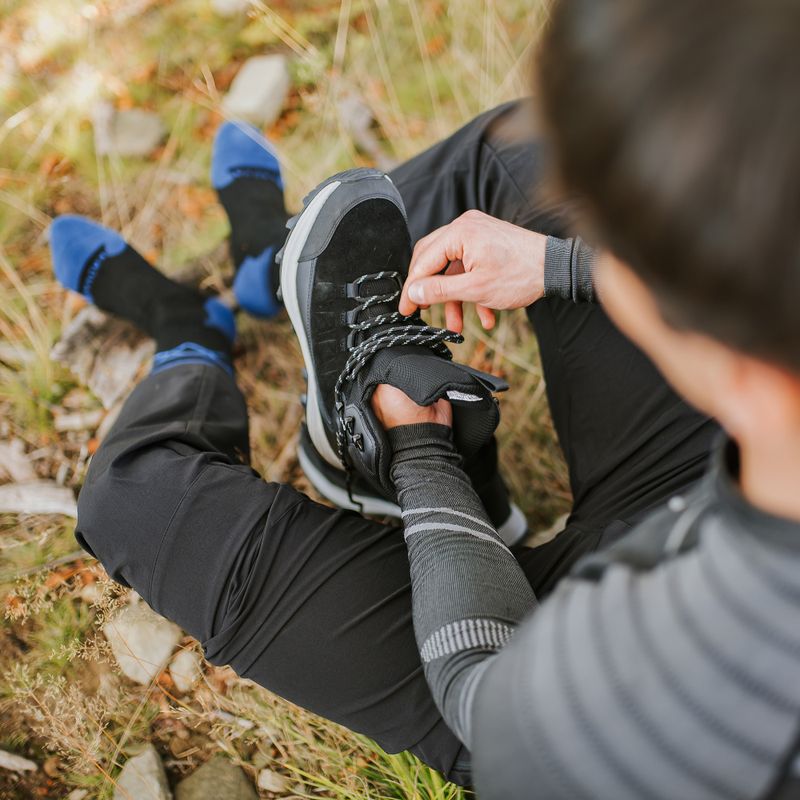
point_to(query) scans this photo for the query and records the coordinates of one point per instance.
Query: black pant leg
(493, 164)
(310, 602)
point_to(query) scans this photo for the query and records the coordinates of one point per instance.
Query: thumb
(443, 288)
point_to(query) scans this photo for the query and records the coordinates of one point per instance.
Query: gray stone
(14, 462)
(37, 497)
(131, 132)
(143, 776)
(217, 779)
(141, 641)
(271, 781)
(259, 90)
(230, 8)
(185, 669)
(104, 353)
(16, 763)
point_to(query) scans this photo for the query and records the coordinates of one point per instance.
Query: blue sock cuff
(240, 150)
(190, 353)
(91, 273)
(253, 285)
(219, 316)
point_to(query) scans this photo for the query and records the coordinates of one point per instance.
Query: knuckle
(437, 288)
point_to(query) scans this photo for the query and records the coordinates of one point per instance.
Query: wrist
(535, 255)
(538, 250)
(410, 442)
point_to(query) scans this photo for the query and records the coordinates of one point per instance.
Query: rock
(14, 463)
(143, 776)
(104, 353)
(78, 420)
(16, 763)
(259, 90)
(141, 641)
(37, 497)
(130, 132)
(271, 781)
(77, 794)
(217, 779)
(230, 8)
(185, 670)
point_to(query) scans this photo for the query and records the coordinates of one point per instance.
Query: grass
(423, 67)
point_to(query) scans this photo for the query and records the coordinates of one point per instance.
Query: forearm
(468, 591)
(568, 268)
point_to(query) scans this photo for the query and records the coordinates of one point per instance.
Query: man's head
(676, 124)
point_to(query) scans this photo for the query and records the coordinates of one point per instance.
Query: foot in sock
(99, 264)
(246, 174)
(342, 269)
(356, 494)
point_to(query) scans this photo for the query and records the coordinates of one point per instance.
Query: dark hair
(676, 124)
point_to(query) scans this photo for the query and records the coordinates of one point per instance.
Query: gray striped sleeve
(568, 267)
(469, 593)
(678, 682)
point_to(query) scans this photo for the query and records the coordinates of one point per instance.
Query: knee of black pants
(173, 522)
(127, 505)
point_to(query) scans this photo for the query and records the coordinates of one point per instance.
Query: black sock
(128, 286)
(257, 217)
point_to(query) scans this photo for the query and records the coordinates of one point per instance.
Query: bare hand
(393, 408)
(492, 263)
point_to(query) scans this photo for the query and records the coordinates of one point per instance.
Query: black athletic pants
(314, 603)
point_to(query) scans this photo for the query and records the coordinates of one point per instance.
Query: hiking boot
(342, 270)
(331, 483)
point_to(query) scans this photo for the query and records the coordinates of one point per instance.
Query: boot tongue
(426, 378)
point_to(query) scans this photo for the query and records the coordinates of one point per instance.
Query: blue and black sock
(99, 264)
(246, 174)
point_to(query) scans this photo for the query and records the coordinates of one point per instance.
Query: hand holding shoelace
(394, 408)
(491, 263)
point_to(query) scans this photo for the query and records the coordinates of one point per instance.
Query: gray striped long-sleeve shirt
(667, 668)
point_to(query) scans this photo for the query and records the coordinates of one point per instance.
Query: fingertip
(405, 307)
(487, 317)
(454, 317)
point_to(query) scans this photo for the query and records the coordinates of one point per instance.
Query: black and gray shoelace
(401, 330)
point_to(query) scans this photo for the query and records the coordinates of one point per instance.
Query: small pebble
(259, 90)
(271, 781)
(185, 669)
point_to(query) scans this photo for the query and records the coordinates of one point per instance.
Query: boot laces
(380, 332)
